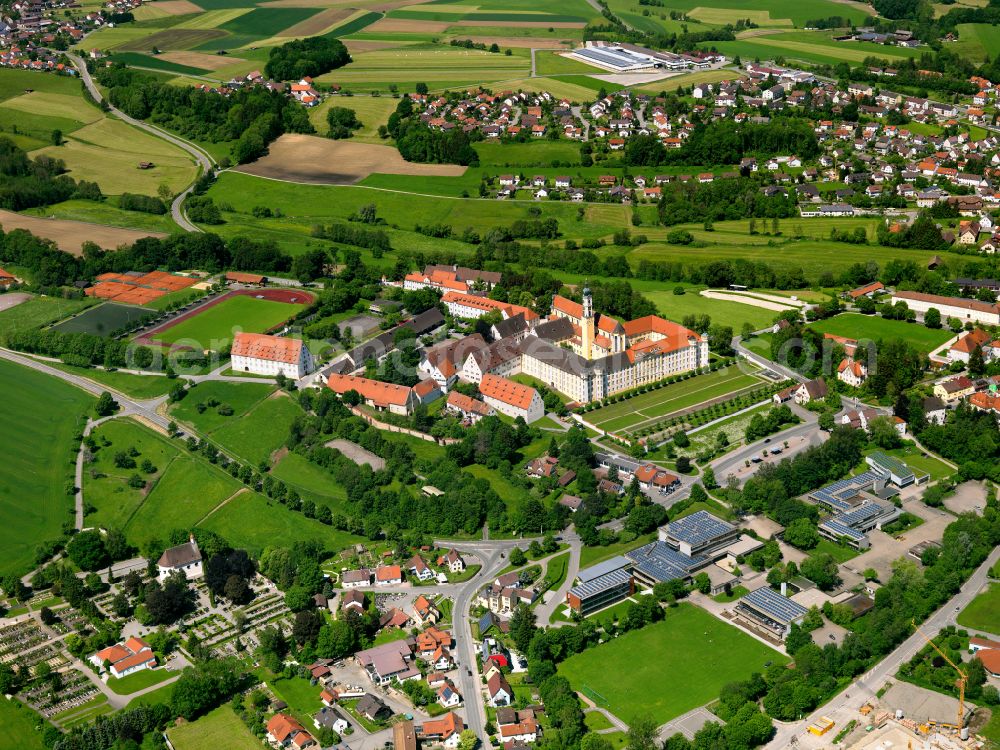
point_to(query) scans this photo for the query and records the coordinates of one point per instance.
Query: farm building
(261, 354)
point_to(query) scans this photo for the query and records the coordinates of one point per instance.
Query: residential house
(955, 389)
(499, 691)
(285, 731)
(852, 372)
(443, 731)
(388, 575)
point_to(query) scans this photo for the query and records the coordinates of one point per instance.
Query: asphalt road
(844, 706)
(202, 158)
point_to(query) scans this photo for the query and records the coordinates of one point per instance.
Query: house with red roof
(261, 354)
(388, 575)
(444, 731)
(125, 658)
(286, 731)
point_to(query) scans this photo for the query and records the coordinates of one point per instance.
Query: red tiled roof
(270, 348)
(371, 390)
(244, 278)
(507, 391)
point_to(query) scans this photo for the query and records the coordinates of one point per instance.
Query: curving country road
(202, 158)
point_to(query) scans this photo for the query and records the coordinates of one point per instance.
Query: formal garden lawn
(689, 648)
(214, 328)
(724, 312)
(983, 612)
(855, 326)
(220, 728)
(670, 398)
(41, 415)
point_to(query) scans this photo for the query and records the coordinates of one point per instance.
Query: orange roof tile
(370, 390)
(270, 348)
(507, 391)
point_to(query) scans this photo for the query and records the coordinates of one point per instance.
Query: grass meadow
(188, 491)
(254, 523)
(20, 727)
(39, 311)
(312, 482)
(676, 306)
(240, 396)
(983, 612)
(37, 425)
(664, 401)
(214, 328)
(873, 327)
(255, 435)
(106, 487)
(219, 728)
(690, 648)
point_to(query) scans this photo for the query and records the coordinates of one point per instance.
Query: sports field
(220, 728)
(635, 412)
(690, 649)
(874, 328)
(983, 612)
(103, 319)
(214, 328)
(38, 311)
(40, 417)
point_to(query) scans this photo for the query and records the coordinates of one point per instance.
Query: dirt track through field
(70, 235)
(13, 299)
(753, 301)
(311, 159)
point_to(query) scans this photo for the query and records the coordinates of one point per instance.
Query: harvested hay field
(540, 24)
(70, 106)
(403, 25)
(511, 41)
(177, 7)
(355, 46)
(70, 235)
(200, 59)
(311, 159)
(319, 23)
(172, 39)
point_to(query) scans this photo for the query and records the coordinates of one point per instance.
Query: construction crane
(962, 681)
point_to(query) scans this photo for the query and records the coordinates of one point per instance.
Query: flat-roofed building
(766, 608)
(601, 592)
(699, 533)
(657, 562)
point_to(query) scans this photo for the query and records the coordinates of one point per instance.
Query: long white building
(985, 313)
(261, 354)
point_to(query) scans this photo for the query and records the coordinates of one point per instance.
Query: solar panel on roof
(774, 605)
(698, 528)
(663, 563)
(602, 583)
(838, 528)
